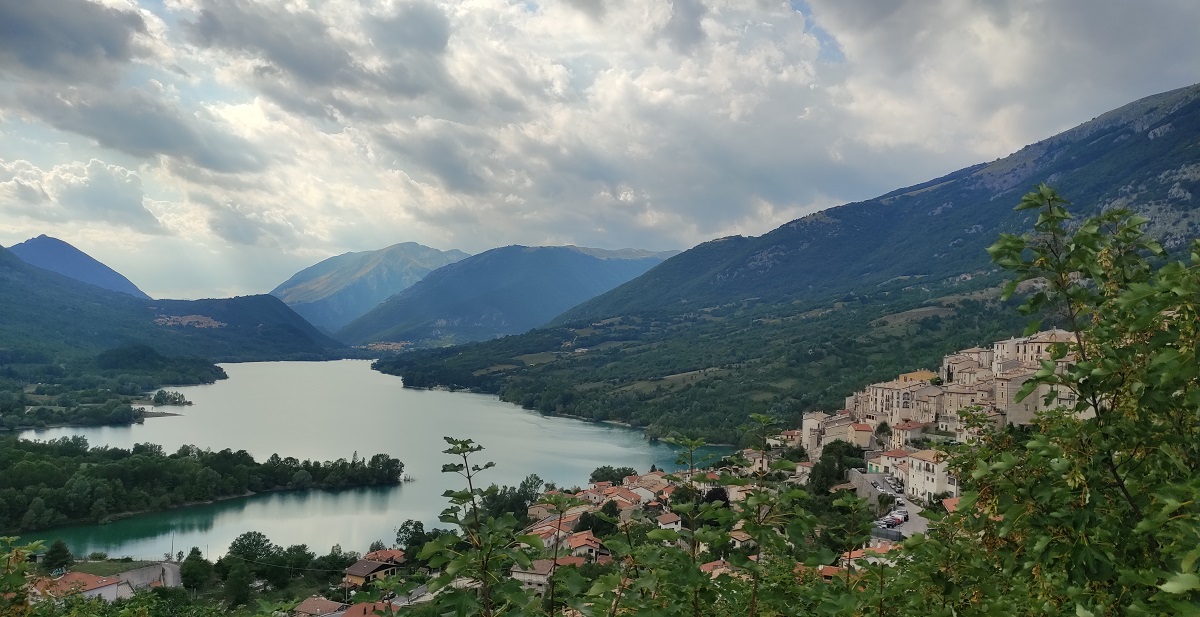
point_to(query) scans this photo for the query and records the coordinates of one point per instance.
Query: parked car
(900, 514)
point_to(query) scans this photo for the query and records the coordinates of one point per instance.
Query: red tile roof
(74, 582)
(951, 503)
(583, 538)
(870, 551)
(859, 426)
(388, 554)
(366, 608)
(668, 518)
(316, 605)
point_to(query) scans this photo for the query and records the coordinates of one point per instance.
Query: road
(915, 523)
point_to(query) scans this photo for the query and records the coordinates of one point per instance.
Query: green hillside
(50, 312)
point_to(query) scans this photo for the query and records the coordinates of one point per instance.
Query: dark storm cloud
(67, 39)
(138, 123)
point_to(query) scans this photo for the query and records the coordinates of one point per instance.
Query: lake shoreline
(113, 518)
(337, 410)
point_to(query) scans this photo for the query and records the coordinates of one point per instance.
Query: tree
(195, 571)
(1107, 481)
(377, 545)
(254, 549)
(237, 585)
(608, 473)
(410, 536)
(58, 556)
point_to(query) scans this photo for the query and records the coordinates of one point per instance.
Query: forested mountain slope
(47, 311)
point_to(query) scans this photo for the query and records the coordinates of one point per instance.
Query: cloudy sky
(215, 147)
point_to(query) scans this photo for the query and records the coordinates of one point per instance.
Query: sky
(208, 148)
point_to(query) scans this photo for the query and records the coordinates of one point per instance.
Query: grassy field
(108, 568)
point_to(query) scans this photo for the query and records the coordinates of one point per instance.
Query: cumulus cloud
(314, 127)
(994, 76)
(93, 191)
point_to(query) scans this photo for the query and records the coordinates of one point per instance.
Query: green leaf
(533, 541)
(663, 535)
(1182, 582)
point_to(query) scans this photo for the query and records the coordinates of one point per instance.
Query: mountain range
(57, 256)
(502, 291)
(1145, 156)
(49, 311)
(797, 318)
(338, 290)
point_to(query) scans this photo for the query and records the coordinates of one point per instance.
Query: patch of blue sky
(830, 51)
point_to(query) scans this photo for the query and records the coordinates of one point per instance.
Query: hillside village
(900, 425)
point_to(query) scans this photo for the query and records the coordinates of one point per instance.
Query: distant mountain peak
(337, 290)
(55, 255)
(505, 290)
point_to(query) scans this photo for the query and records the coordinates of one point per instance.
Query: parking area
(879, 485)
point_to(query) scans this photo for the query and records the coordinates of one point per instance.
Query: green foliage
(58, 556)
(492, 546)
(1109, 485)
(196, 572)
(237, 585)
(837, 458)
(162, 397)
(38, 390)
(498, 501)
(608, 473)
(63, 480)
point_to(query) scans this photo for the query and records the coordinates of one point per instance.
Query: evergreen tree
(58, 556)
